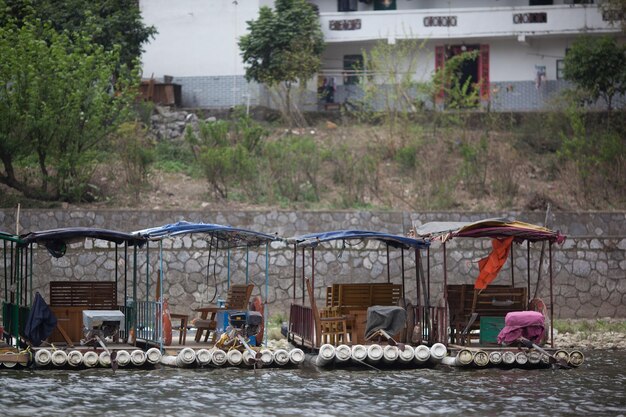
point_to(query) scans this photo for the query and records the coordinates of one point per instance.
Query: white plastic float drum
(75, 358)
(325, 355)
(90, 359)
(234, 357)
(59, 358)
(464, 357)
(534, 357)
(104, 359)
(185, 357)
(495, 357)
(562, 356)
(153, 356)
(9, 364)
(219, 357)
(481, 358)
(576, 358)
(359, 353)
(342, 353)
(43, 357)
(267, 357)
(390, 354)
(508, 358)
(169, 360)
(422, 354)
(138, 357)
(521, 358)
(374, 353)
(249, 358)
(203, 357)
(296, 356)
(281, 357)
(438, 351)
(406, 355)
(123, 358)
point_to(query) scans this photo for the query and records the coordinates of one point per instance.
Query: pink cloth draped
(528, 324)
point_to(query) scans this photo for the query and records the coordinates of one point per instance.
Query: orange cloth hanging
(491, 265)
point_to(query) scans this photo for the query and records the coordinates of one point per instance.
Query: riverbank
(586, 334)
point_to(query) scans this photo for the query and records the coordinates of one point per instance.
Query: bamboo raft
(184, 358)
(392, 357)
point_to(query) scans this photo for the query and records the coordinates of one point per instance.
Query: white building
(521, 44)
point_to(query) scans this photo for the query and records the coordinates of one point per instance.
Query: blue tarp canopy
(227, 236)
(77, 234)
(314, 239)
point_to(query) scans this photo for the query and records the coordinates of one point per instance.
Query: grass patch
(590, 326)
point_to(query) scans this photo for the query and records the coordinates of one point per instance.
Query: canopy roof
(314, 239)
(76, 234)
(227, 236)
(491, 228)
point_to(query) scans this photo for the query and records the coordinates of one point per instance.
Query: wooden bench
(68, 299)
(363, 295)
(352, 300)
(467, 305)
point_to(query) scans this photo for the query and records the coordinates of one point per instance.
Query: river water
(597, 388)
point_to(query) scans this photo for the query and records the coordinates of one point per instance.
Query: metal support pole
(512, 268)
(417, 275)
(402, 266)
(428, 275)
(228, 268)
(303, 278)
(313, 270)
(116, 274)
(267, 291)
(247, 264)
(528, 267)
(445, 290)
(295, 257)
(388, 270)
(551, 298)
(160, 302)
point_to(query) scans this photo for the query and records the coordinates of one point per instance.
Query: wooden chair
(332, 330)
(237, 298)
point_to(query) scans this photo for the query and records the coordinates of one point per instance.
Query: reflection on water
(596, 388)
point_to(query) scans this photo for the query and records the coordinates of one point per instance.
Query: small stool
(182, 335)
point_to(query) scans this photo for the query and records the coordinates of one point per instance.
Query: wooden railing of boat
(301, 330)
(432, 325)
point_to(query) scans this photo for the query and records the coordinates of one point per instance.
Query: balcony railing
(463, 23)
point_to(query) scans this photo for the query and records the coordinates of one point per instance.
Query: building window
(560, 65)
(347, 6)
(352, 67)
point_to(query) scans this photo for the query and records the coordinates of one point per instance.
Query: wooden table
(182, 335)
(204, 313)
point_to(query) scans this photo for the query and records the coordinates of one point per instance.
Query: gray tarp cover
(391, 319)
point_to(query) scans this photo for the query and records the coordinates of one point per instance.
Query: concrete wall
(588, 269)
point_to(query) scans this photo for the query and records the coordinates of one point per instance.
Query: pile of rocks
(591, 340)
(171, 124)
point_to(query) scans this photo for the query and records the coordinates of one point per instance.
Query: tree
(597, 66)
(58, 105)
(282, 49)
(109, 23)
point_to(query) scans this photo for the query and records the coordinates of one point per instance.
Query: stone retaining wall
(588, 269)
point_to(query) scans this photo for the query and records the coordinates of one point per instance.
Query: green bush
(293, 163)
